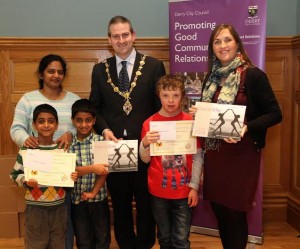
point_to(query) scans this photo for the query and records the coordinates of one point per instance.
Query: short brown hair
(119, 19)
(172, 82)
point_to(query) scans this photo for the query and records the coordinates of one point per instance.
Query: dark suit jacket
(109, 104)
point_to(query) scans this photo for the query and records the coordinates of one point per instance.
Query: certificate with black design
(121, 156)
(219, 120)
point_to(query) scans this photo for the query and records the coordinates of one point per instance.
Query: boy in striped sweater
(46, 212)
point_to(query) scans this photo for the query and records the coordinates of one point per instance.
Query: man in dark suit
(121, 111)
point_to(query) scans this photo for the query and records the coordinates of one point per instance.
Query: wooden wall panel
(293, 212)
(19, 60)
(275, 68)
(278, 145)
(272, 169)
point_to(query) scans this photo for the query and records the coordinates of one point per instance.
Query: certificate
(121, 156)
(176, 139)
(49, 167)
(219, 120)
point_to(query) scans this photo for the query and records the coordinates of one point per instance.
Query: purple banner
(191, 23)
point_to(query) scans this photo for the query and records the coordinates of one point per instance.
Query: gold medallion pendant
(127, 107)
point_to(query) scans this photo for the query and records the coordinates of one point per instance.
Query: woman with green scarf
(232, 167)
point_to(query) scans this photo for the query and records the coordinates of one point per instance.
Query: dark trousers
(233, 226)
(70, 231)
(123, 188)
(91, 224)
(45, 226)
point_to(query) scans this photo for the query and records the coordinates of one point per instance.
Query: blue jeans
(173, 218)
(91, 223)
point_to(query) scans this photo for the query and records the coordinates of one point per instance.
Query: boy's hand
(150, 138)
(101, 169)
(87, 195)
(31, 142)
(74, 176)
(31, 183)
(193, 198)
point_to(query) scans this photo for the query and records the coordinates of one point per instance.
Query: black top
(262, 109)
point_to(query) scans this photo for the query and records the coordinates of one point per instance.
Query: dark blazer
(262, 109)
(109, 104)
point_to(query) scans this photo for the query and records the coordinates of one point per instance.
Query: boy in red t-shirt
(173, 180)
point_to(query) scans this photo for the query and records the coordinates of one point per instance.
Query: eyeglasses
(118, 37)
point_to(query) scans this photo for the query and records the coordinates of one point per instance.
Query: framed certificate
(175, 138)
(219, 120)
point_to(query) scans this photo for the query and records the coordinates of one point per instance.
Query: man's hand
(109, 135)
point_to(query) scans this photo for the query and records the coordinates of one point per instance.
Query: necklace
(127, 107)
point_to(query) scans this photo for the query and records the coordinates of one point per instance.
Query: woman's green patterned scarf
(232, 73)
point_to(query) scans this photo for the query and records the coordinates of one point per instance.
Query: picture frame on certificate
(219, 121)
(121, 156)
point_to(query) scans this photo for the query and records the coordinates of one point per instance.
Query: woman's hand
(244, 130)
(193, 110)
(230, 140)
(242, 133)
(31, 142)
(65, 140)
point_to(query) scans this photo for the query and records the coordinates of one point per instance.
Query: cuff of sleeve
(23, 182)
(72, 132)
(104, 131)
(194, 186)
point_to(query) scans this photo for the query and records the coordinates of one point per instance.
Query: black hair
(45, 61)
(83, 105)
(46, 109)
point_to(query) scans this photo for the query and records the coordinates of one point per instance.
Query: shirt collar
(88, 139)
(130, 59)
